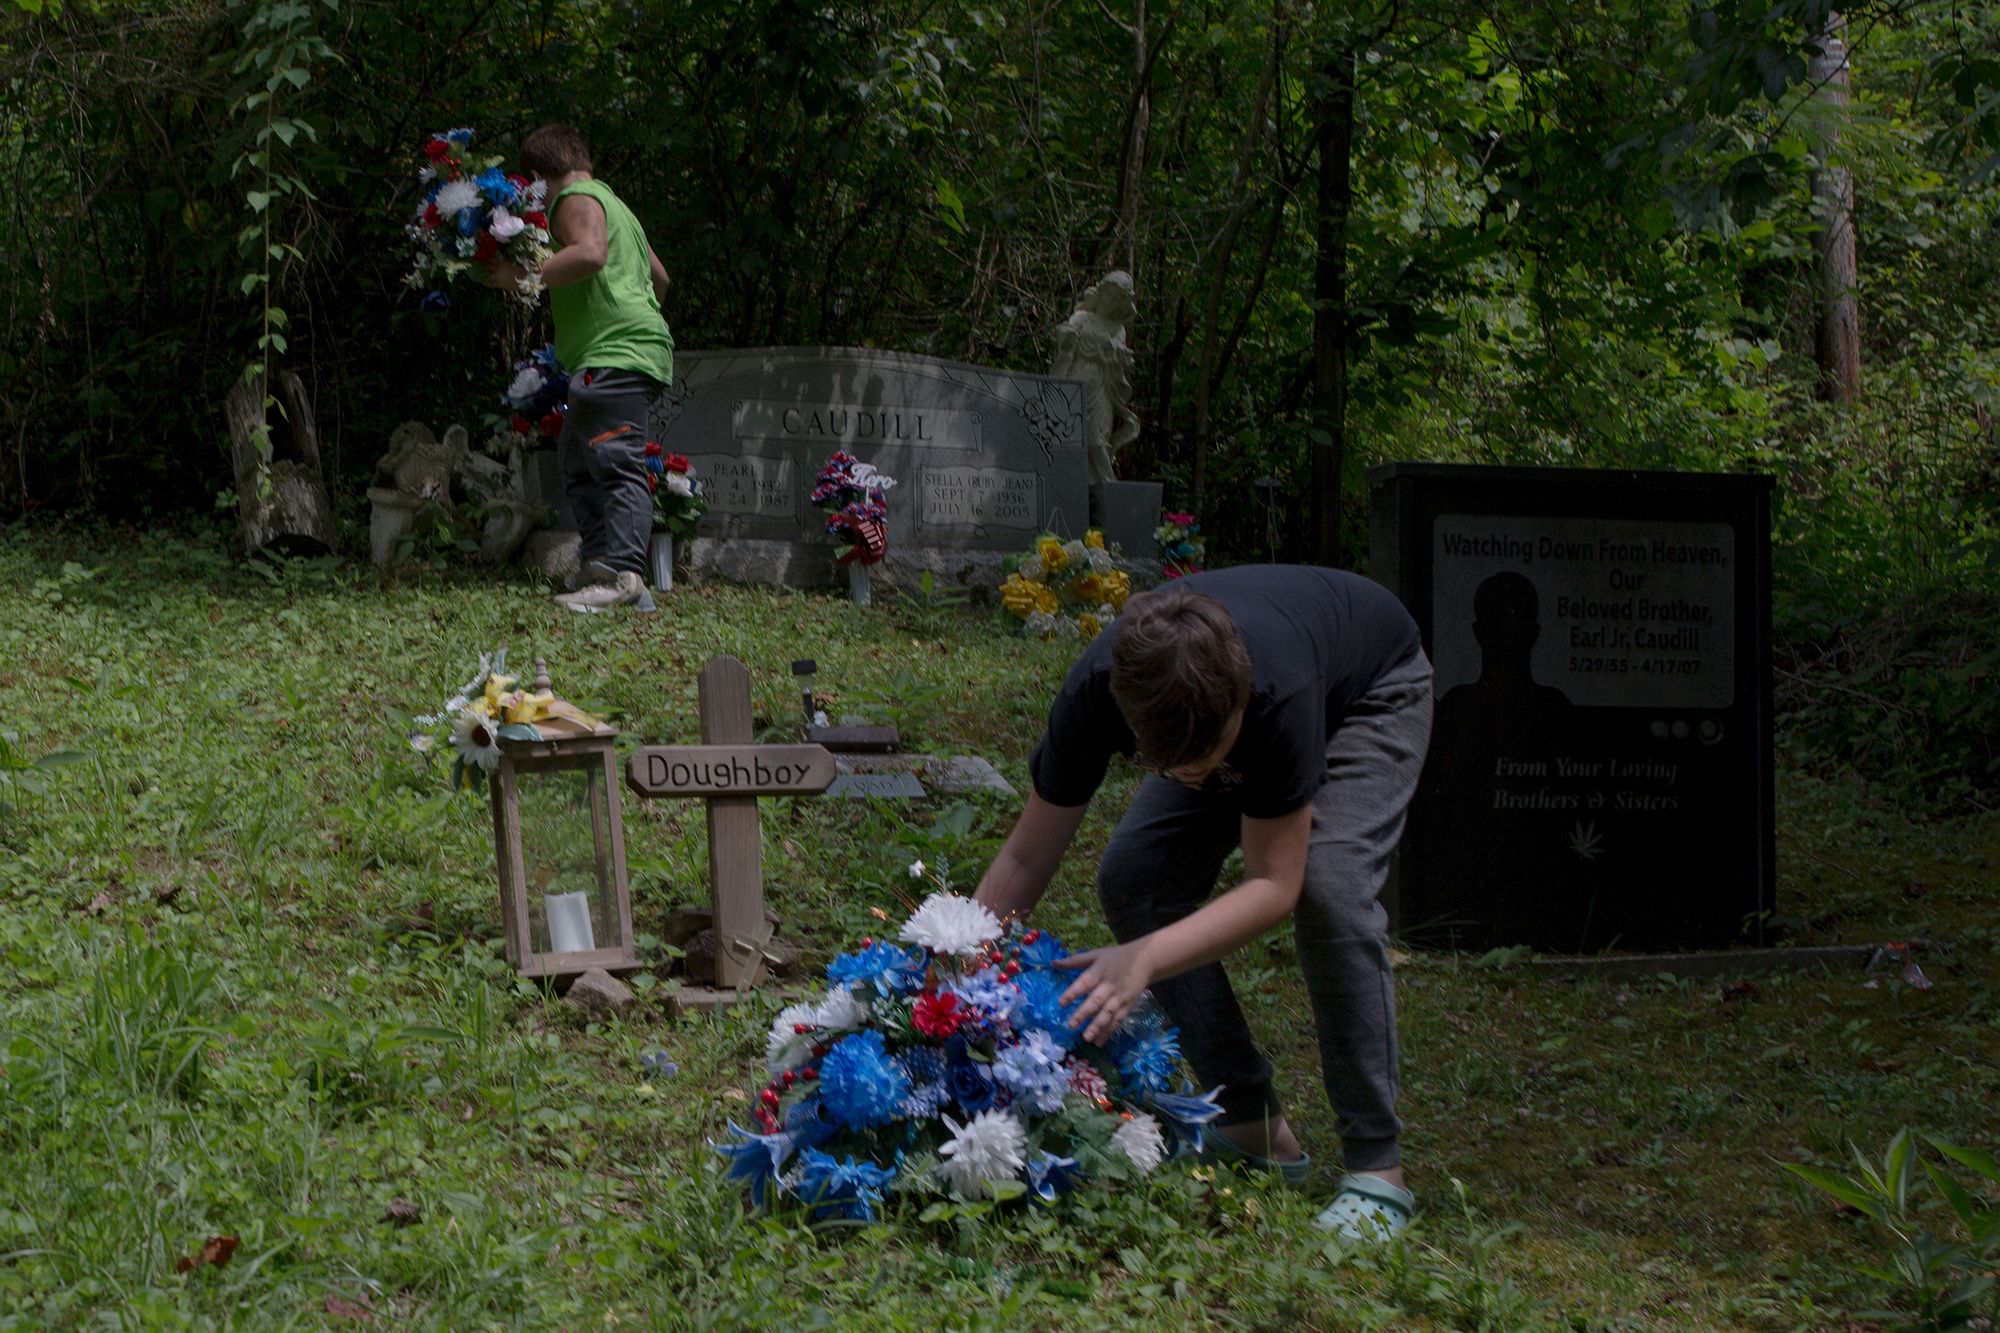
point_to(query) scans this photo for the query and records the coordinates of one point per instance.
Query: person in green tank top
(606, 287)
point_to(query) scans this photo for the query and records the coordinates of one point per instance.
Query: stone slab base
(709, 999)
(1717, 963)
(810, 565)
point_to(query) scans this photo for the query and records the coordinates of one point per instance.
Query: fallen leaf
(339, 1307)
(99, 905)
(216, 1250)
(164, 894)
(402, 1212)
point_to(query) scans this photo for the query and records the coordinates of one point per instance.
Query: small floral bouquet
(853, 494)
(677, 500)
(1066, 589)
(472, 217)
(1181, 548)
(487, 709)
(943, 1065)
(535, 401)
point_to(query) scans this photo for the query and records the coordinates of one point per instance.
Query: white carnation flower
(1040, 623)
(839, 1009)
(1067, 629)
(947, 923)
(787, 1047)
(990, 1146)
(1100, 560)
(1140, 1140)
(524, 388)
(504, 225)
(454, 197)
(678, 484)
(1074, 549)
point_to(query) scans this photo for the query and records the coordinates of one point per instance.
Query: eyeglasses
(1222, 775)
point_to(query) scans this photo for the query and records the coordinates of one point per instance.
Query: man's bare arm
(1020, 874)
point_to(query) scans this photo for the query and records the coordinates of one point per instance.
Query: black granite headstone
(1600, 772)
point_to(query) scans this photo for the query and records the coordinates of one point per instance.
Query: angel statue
(1090, 347)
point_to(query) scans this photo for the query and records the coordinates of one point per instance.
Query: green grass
(252, 986)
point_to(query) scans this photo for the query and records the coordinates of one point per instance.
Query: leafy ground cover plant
(1940, 1280)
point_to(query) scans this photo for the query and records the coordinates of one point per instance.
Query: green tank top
(612, 321)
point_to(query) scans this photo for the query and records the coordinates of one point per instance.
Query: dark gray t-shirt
(1317, 639)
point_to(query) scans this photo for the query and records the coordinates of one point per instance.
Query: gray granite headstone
(1129, 514)
(984, 459)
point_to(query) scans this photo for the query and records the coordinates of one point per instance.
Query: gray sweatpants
(1162, 864)
(602, 450)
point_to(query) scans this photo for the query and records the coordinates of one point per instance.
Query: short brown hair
(1179, 672)
(554, 150)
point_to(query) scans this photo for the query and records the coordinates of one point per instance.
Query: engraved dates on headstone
(751, 487)
(977, 500)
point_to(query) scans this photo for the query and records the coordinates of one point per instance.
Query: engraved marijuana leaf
(1586, 841)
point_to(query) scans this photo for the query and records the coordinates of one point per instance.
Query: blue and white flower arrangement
(472, 214)
(942, 1065)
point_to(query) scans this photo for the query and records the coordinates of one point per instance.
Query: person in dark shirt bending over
(1284, 710)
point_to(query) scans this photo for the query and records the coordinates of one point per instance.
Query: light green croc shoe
(1367, 1208)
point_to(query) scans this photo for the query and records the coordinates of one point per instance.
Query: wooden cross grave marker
(730, 773)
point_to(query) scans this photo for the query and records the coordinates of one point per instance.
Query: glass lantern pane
(566, 857)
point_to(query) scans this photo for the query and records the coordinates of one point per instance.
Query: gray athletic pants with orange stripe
(602, 450)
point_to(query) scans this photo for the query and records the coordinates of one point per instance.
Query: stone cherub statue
(423, 471)
(1090, 347)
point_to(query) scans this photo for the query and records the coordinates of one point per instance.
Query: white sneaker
(1367, 1209)
(627, 590)
(589, 574)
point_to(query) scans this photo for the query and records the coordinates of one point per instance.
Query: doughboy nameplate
(730, 770)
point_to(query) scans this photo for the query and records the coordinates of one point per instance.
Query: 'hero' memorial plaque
(1600, 763)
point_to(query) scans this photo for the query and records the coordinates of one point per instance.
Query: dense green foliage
(1559, 233)
(253, 988)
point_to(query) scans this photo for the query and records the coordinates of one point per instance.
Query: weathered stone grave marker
(730, 773)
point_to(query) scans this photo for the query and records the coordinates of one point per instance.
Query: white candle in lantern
(569, 922)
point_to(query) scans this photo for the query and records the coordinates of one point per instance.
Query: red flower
(518, 182)
(652, 483)
(486, 248)
(432, 218)
(652, 448)
(521, 425)
(937, 1015)
(536, 218)
(677, 462)
(551, 425)
(437, 150)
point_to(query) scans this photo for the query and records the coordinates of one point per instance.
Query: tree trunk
(1328, 447)
(1124, 242)
(281, 501)
(1838, 340)
(1221, 251)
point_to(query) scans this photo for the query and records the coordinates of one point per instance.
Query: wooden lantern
(559, 840)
